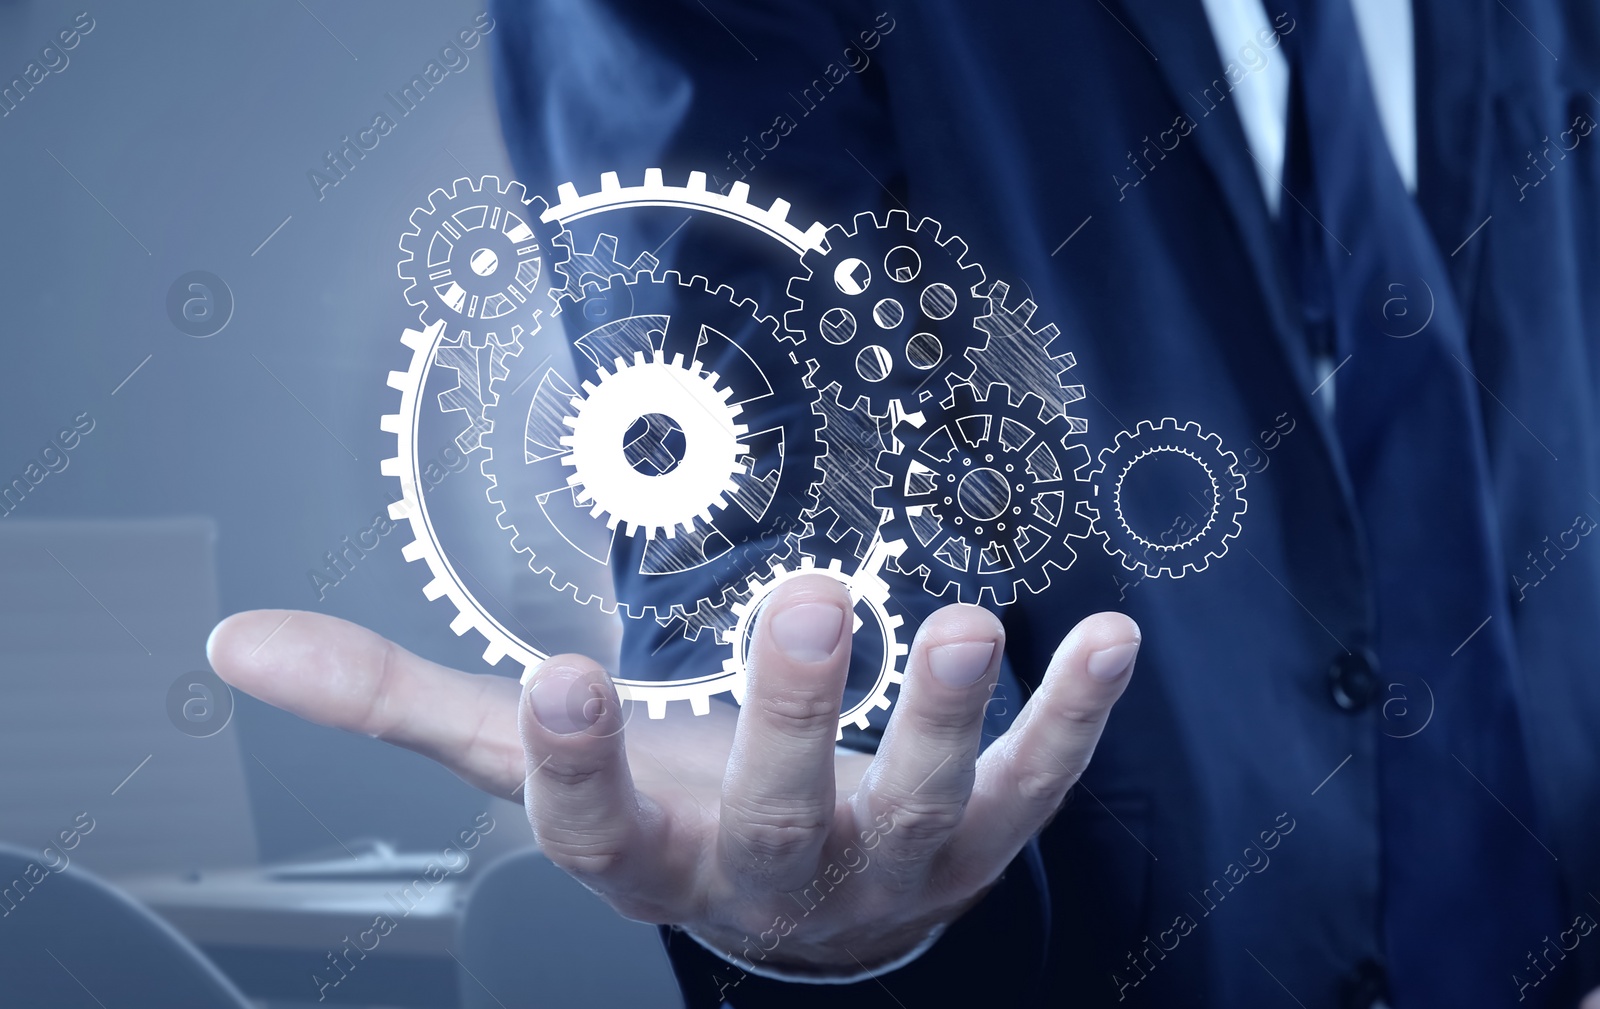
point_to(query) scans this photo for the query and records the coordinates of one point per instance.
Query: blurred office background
(213, 474)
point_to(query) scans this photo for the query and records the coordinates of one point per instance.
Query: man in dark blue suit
(1357, 765)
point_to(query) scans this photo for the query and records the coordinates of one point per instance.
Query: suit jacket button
(1353, 679)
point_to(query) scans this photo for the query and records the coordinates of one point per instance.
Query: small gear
(472, 260)
(983, 496)
(654, 489)
(475, 255)
(1023, 358)
(1179, 459)
(891, 306)
(868, 591)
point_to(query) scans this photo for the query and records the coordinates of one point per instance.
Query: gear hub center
(654, 444)
(984, 494)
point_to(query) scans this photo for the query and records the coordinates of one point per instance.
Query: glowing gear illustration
(886, 304)
(598, 266)
(1022, 358)
(697, 465)
(983, 497)
(1199, 477)
(845, 516)
(475, 255)
(661, 490)
(904, 427)
(412, 507)
(772, 221)
(870, 594)
(472, 259)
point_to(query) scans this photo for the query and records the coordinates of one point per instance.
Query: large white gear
(530, 487)
(659, 503)
(1145, 549)
(426, 344)
(868, 591)
(412, 506)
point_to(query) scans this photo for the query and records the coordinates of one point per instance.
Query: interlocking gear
(1022, 358)
(475, 255)
(680, 453)
(891, 305)
(472, 259)
(663, 490)
(870, 594)
(1200, 532)
(597, 266)
(983, 497)
(751, 424)
(846, 516)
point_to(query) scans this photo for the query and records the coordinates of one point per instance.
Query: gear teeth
(1020, 357)
(772, 220)
(853, 439)
(702, 613)
(1206, 539)
(678, 375)
(597, 268)
(950, 549)
(556, 252)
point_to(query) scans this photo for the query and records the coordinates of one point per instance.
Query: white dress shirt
(1262, 96)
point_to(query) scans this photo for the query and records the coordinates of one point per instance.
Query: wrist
(826, 967)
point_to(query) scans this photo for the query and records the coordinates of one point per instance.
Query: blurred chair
(67, 940)
(532, 937)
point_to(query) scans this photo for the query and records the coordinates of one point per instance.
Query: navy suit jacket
(1090, 156)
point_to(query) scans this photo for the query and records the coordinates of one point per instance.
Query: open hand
(735, 826)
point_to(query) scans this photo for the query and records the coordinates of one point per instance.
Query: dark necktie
(1467, 885)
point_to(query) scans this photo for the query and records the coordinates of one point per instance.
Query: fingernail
(808, 632)
(1110, 663)
(961, 664)
(559, 699)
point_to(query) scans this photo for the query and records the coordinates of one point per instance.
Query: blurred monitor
(108, 713)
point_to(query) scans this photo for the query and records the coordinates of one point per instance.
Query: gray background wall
(178, 137)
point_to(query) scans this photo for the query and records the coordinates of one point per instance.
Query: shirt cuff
(807, 977)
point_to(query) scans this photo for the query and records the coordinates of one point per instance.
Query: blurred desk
(273, 936)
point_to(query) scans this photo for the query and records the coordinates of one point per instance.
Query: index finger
(1025, 774)
(342, 675)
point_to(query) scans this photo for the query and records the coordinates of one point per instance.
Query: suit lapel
(1180, 37)
(1453, 134)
